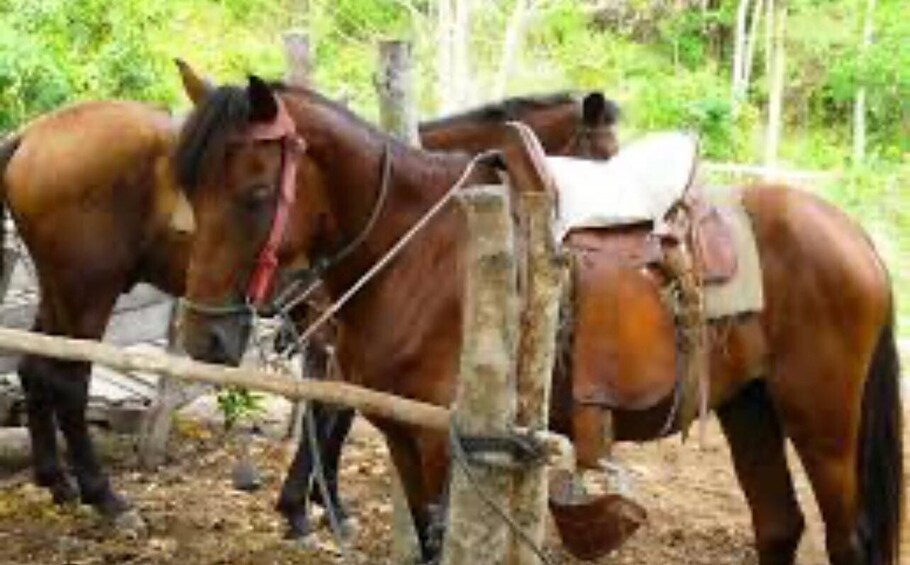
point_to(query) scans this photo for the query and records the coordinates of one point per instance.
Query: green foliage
(237, 404)
(57, 51)
(697, 101)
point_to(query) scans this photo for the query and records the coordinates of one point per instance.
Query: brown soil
(697, 514)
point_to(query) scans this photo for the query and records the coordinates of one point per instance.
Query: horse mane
(225, 112)
(510, 109)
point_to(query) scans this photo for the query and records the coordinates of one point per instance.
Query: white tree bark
(737, 86)
(769, 37)
(750, 43)
(297, 56)
(859, 106)
(778, 78)
(510, 47)
(444, 77)
(461, 48)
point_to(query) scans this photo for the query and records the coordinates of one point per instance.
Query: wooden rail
(365, 400)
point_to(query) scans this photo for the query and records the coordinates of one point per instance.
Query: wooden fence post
(394, 84)
(297, 56)
(486, 401)
(543, 275)
(394, 87)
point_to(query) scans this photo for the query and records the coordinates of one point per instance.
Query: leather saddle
(623, 348)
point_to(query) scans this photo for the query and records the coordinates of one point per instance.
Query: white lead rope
(391, 253)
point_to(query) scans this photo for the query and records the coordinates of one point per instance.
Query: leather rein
(282, 129)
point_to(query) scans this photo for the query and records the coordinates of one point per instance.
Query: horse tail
(8, 148)
(880, 462)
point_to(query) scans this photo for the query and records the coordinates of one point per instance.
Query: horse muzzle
(214, 336)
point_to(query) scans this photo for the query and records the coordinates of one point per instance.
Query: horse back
(816, 263)
(91, 184)
(84, 151)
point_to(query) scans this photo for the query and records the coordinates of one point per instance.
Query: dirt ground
(697, 514)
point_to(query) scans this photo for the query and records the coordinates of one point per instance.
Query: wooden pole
(297, 56)
(365, 400)
(544, 275)
(485, 400)
(394, 84)
(397, 116)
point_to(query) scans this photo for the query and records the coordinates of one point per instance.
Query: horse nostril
(216, 351)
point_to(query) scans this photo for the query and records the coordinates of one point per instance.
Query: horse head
(243, 165)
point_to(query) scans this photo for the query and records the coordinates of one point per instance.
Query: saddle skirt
(641, 183)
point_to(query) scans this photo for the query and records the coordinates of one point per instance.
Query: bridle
(283, 130)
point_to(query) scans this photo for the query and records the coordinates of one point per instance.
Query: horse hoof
(130, 525)
(298, 528)
(64, 493)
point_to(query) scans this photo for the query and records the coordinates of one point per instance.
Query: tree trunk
(750, 44)
(859, 106)
(737, 87)
(461, 49)
(776, 88)
(510, 47)
(444, 93)
(769, 37)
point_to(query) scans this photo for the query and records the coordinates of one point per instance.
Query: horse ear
(263, 105)
(197, 87)
(597, 110)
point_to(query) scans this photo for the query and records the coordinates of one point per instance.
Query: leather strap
(281, 128)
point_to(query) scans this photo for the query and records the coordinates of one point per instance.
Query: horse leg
(70, 381)
(406, 456)
(435, 450)
(71, 400)
(300, 484)
(756, 443)
(39, 399)
(825, 441)
(339, 423)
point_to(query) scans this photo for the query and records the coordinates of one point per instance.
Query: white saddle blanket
(639, 184)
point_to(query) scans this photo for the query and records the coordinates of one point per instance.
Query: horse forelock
(205, 135)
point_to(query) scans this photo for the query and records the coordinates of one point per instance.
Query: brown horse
(90, 189)
(817, 366)
(566, 124)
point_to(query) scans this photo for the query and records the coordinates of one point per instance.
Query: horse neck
(353, 165)
(473, 136)
(554, 125)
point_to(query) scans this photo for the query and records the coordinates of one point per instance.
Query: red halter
(282, 129)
